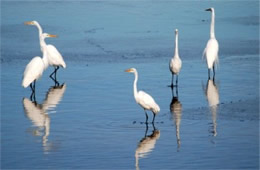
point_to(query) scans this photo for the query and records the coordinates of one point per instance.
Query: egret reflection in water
(146, 145)
(212, 95)
(38, 113)
(176, 112)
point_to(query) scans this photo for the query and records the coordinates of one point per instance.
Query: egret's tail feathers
(25, 84)
(63, 64)
(156, 109)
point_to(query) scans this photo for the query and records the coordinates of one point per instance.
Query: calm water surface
(91, 121)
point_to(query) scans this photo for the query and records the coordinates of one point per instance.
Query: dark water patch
(245, 20)
(238, 47)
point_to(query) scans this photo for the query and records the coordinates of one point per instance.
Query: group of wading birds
(51, 56)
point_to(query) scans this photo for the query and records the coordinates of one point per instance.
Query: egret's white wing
(54, 56)
(33, 71)
(211, 52)
(175, 65)
(147, 101)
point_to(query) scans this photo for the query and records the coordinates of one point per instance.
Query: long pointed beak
(208, 9)
(53, 36)
(128, 70)
(28, 23)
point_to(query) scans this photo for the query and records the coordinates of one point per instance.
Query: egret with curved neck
(175, 63)
(143, 99)
(55, 59)
(211, 50)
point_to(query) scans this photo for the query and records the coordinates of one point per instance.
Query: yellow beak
(53, 36)
(128, 70)
(28, 23)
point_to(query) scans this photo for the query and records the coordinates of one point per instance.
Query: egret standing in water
(175, 62)
(34, 69)
(143, 99)
(55, 59)
(211, 50)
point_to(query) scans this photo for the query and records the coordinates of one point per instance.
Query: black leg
(154, 127)
(209, 73)
(177, 79)
(34, 90)
(52, 73)
(32, 94)
(177, 92)
(172, 80)
(172, 91)
(34, 85)
(146, 130)
(31, 86)
(213, 71)
(56, 72)
(146, 121)
(55, 77)
(153, 117)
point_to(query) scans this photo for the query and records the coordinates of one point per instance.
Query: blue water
(93, 122)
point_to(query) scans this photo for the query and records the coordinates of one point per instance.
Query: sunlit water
(91, 120)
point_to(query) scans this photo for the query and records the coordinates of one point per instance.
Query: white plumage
(143, 99)
(33, 71)
(147, 102)
(54, 57)
(211, 53)
(175, 63)
(211, 50)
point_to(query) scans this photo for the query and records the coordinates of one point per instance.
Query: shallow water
(92, 120)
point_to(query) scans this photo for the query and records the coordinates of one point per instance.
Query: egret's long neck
(176, 46)
(44, 52)
(39, 29)
(40, 35)
(45, 59)
(212, 25)
(42, 44)
(135, 83)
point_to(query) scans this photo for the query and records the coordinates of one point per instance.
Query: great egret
(55, 59)
(34, 69)
(211, 50)
(175, 62)
(143, 99)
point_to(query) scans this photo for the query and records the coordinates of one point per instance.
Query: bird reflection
(146, 145)
(211, 92)
(176, 110)
(38, 113)
(53, 97)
